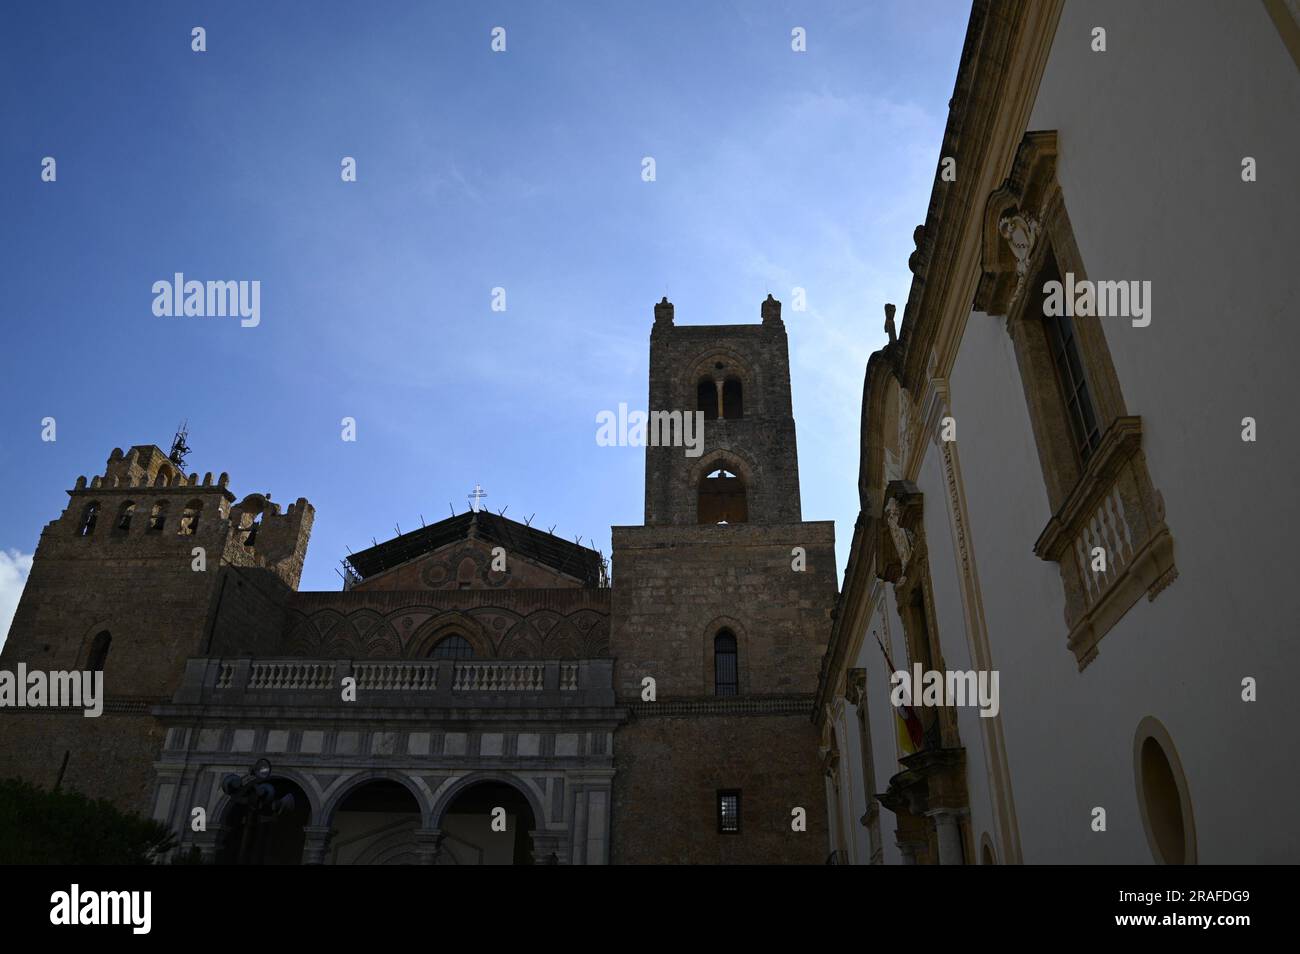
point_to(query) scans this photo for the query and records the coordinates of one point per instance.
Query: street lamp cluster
(256, 795)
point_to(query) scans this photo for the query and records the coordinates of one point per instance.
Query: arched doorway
(273, 839)
(375, 825)
(469, 837)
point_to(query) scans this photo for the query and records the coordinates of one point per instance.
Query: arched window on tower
(158, 517)
(725, 682)
(99, 651)
(706, 394)
(452, 647)
(88, 518)
(733, 399)
(124, 516)
(190, 519)
(722, 498)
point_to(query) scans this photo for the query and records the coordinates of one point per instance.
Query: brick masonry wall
(250, 613)
(140, 587)
(676, 586)
(667, 775)
(110, 757)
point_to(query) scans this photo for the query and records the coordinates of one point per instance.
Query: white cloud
(14, 567)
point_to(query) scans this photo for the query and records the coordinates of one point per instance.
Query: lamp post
(256, 795)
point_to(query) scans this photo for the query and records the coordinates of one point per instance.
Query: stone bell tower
(722, 599)
(739, 377)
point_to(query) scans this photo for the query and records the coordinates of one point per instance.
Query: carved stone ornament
(900, 535)
(1021, 233)
(855, 686)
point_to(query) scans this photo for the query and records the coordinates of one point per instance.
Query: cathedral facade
(479, 692)
(1076, 526)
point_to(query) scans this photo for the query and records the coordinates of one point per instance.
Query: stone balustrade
(422, 683)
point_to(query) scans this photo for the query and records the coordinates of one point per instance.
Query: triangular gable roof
(519, 540)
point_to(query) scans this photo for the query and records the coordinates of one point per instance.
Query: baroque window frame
(1108, 500)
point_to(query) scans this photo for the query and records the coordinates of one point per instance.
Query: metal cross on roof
(478, 494)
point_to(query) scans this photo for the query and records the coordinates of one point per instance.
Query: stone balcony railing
(1109, 539)
(435, 683)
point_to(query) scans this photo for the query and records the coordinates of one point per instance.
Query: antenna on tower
(179, 447)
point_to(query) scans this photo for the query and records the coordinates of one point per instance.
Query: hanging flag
(911, 734)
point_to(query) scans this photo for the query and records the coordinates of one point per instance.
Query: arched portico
(490, 818)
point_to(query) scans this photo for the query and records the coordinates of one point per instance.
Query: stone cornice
(1002, 62)
(851, 609)
(725, 706)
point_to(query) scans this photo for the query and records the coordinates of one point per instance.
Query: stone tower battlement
(142, 498)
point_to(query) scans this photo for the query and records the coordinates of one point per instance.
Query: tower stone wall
(120, 561)
(764, 577)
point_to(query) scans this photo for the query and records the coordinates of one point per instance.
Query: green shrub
(40, 827)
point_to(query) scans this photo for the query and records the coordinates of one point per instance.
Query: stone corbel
(899, 529)
(855, 687)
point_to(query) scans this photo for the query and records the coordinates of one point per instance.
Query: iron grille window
(724, 664)
(729, 812)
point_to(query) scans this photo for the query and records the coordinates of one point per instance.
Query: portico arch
(465, 814)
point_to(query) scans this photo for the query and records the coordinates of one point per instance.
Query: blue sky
(476, 169)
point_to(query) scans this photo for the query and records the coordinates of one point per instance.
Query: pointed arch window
(158, 517)
(706, 396)
(452, 647)
(99, 651)
(125, 515)
(89, 516)
(733, 399)
(190, 519)
(725, 664)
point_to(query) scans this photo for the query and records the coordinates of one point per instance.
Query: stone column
(316, 843)
(598, 809)
(949, 832)
(428, 844)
